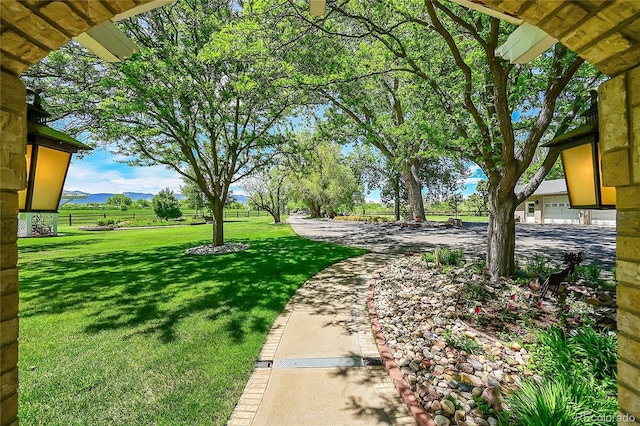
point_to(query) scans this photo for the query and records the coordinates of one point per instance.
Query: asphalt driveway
(597, 243)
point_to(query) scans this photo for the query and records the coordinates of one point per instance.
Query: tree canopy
(497, 113)
(203, 97)
(216, 84)
(119, 200)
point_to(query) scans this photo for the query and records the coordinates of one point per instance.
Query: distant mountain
(70, 195)
(241, 198)
(101, 198)
(79, 197)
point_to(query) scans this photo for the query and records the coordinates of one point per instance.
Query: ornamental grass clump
(579, 385)
(444, 256)
(554, 401)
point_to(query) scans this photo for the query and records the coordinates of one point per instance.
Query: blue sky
(101, 172)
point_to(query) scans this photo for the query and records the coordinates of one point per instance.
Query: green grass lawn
(121, 327)
(463, 218)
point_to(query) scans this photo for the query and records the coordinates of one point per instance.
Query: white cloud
(473, 180)
(475, 175)
(92, 179)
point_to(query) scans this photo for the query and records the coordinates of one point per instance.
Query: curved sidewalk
(320, 363)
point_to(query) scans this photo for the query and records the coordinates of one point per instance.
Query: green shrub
(451, 257)
(557, 402)
(592, 273)
(166, 205)
(106, 222)
(537, 265)
(445, 255)
(428, 257)
(580, 386)
(484, 407)
(586, 354)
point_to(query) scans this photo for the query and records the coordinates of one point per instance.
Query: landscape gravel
(416, 309)
(210, 249)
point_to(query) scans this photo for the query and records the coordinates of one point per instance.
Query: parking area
(597, 243)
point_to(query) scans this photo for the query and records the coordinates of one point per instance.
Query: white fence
(37, 224)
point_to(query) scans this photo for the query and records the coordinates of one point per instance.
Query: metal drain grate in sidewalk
(335, 362)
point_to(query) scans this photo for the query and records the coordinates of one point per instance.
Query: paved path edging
(258, 392)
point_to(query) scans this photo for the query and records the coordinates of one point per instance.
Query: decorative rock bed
(457, 373)
(210, 249)
(96, 228)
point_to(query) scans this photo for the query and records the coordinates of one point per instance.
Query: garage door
(603, 217)
(556, 210)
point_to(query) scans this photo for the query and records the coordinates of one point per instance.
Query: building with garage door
(550, 204)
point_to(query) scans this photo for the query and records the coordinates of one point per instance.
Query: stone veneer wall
(620, 135)
(13, 114)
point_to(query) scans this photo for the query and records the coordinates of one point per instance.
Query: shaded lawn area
(122, 327)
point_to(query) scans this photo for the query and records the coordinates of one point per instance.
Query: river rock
(466, 367)
(471, 379)
(403, 362)
(498, 374)
(489, 395)
(442, 420)
(448, 406)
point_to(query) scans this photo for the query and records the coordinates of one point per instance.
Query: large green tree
(387, 112)
(500, 112)
(204, 97)
(119, 200)
(367, 99)
(322, 180)
(267, 190)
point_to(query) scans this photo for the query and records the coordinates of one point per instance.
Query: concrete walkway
(317, 366)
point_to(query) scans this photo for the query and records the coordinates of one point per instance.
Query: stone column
(13, 137)
(620, 136)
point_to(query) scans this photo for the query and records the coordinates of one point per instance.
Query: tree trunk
(313, 210)
(278, 203)
(396, 199)
(501, 241)
(414, 188)
(218, 224)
